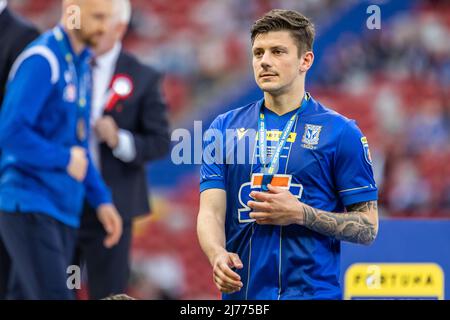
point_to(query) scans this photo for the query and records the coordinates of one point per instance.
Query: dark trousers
(41, 250)
(5, 267)
(107, 269)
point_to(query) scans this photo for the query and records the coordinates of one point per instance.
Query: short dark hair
(300, 27)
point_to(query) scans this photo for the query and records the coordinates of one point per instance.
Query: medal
(81, 129)
(70, 93)
(121, 88)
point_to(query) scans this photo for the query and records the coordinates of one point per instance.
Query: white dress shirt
(3, 4)
(103, 73)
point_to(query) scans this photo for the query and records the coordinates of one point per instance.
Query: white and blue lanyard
(269, 166)
(81, 86)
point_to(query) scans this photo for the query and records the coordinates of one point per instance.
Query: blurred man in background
(130, 127)
(15, 36)
(271, 228)
(46, 167)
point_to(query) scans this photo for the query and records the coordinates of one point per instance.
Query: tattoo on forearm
(353, 226)
(362, 206)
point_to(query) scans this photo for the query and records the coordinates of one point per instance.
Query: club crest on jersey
(367, 154)
(311, 136)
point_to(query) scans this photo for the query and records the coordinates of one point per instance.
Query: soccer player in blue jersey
(46, 169)
(271, 225)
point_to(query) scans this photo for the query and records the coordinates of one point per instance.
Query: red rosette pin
(121, 88)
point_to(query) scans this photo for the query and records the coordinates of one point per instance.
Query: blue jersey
(325, 163)
(38, 126)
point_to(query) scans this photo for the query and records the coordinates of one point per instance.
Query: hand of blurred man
(107, 131)
(78, 163)
(112, 223)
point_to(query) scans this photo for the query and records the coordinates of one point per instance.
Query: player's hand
(112, 223)
(107, 131)
(78, 163)
(226, 280)
(276, 207)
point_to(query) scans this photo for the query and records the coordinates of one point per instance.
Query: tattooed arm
(279, 207)
(358, 225)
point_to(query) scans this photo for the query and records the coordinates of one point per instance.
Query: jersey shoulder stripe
(39, 50)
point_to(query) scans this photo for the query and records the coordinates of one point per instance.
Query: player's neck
(77, 45)
(283, 103)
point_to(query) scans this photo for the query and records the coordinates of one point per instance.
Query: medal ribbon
(80, 85)
(269, 166)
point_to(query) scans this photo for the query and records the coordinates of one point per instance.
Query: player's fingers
(224, 286)
(226, 271)
(226, 290)
(109, 241)
(260, 196)
(108, 224)
(113, 227)
(229, 291)
(259, 215)
(116, 233)
(263, 221)
(237, 263)
(274, 189)
(259, 206)
(111, 238)
(228, 280)
(118, 227)
(219, 287)
(218, 284)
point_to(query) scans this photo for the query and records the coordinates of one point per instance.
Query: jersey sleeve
(353, 167)
(213, 168)
(27, 93)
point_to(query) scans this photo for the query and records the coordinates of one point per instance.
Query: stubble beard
(87, 40)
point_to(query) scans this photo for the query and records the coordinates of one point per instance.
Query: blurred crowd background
(394, 81)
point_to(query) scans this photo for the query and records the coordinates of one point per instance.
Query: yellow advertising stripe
(394, 280)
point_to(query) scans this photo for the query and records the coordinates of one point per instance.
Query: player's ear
(307, 61)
